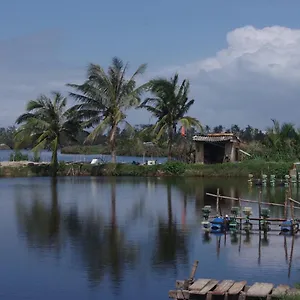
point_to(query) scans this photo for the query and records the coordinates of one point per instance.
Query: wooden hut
(216, 148)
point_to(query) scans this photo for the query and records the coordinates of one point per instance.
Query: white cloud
(257, 77)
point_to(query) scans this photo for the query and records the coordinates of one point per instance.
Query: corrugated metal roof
(215, 138)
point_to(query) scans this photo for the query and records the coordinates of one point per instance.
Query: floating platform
(229, 289)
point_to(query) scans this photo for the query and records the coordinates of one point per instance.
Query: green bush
(18, 156)
(174, 167)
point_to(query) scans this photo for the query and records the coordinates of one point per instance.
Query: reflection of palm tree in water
(183, 216)
(170, 242)
(39, 223)
(102, 249)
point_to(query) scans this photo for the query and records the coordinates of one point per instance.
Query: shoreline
(168, 169)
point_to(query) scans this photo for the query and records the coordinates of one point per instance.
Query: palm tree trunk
(170, 143)
(54, 161)
(112, 141)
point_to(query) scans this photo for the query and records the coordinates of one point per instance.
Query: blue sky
(44, 44)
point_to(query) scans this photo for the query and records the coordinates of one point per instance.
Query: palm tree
(105, 97)
(170, 105)
(282, 139)
(45, 123)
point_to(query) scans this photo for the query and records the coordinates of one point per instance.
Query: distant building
(216, 148)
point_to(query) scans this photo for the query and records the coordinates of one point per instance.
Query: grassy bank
(168, 169)
(128, 149)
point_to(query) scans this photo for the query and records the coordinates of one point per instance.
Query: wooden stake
(291, 256)
(240, 204)
(293, 200)
(285, 205)
(218, 207)
(194, 269)
(259, 209)
(292, 210)
(245, 200)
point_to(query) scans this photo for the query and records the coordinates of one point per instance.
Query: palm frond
(102, 127)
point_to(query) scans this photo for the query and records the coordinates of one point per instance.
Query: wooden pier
(228, 289)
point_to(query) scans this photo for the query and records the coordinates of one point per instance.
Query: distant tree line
(279, 142)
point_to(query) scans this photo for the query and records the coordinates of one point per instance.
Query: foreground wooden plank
(280, 290)
(237, 287)
(179, 294)
(199, 284)
(293, 292)
(223, 287)
(212, 283)
(182, 284)
(260, 289)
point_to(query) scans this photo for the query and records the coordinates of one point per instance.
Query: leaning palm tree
(105, 97)
(170, 105)
(45, 123)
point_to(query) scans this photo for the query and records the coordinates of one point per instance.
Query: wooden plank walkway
(209, 288)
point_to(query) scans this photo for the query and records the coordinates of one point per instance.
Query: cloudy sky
(241, 57)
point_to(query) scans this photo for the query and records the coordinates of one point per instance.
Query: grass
(243, 169)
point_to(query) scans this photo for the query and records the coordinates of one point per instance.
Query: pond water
(45, 156)
(123, 238)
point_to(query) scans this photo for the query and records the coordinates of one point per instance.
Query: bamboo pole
(285, 205)
(291, 257)
(259, 209)
(259, 247)
(294, 201)
(240, 204)
(256, 219)
(194, 269)
(292, 209)
(245, 200)
(285, 249)
(218, 199)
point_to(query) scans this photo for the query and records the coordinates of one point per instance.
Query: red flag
(182, 131)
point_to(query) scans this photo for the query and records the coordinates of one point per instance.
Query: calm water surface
(116, 238)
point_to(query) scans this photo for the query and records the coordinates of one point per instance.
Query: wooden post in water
(259, 209)
(218, 202)
(285, 249)
(292, 210)
(285, 205)
(240, 204)
(291, 257)
(193, 272)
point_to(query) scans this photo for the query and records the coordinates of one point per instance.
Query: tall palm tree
(45, 123)
(170, 105)
(105, 97)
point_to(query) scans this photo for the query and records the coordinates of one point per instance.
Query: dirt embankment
(20, 163)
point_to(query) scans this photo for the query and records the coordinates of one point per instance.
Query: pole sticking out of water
(218, 204)
(259, 208)
(285, 205)
(193, 272)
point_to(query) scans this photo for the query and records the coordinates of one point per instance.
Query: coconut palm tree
(45, 123)
(105, 97)
(169, 105)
